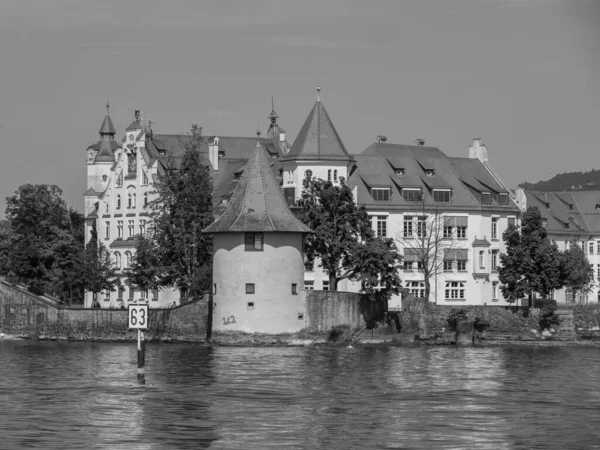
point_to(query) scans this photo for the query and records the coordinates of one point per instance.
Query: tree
(144, 269)
(182, 209)
(577, 271)
(5, 246)
(42, 239)
(532, 264)
(343, 239)
(98, 271)
(428, 243)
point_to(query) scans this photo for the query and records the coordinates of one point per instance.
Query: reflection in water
(85, 395)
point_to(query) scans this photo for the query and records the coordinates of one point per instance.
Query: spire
(107, 129)
(135, 125)
(258, 135)
(318, 90)
(273, 116)
(257, 203)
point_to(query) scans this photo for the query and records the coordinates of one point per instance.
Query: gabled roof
(91, 193)
(257, 203)
(107, 126)
(135, 125)
(318, 139)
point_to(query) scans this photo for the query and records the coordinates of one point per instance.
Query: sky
(522, 75)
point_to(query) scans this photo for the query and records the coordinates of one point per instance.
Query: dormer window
(411, 194)
(399, 172)
(567, 226)
(503, 199)
(224, 199)
(429, 173)
(238, 175)
(381, 194)
(221, 154)
(598, 206)
(486, 198)
(162, 152)
(441, 195)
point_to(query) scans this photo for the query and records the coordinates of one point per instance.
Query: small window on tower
(249, 288)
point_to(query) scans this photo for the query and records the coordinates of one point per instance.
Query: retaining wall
(326, 309)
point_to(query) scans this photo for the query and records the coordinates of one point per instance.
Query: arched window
(145, 199)
(118, 202)
(129, 203)
(127, 259)
(335, 175)
(329, 175)
(106, 208)
(481, 259)
(118, 260)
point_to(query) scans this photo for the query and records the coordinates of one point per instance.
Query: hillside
(569, 181)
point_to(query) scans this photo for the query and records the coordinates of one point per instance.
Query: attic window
(429, 173)
(441, 195)
(162, 152)
(567, 226)
(237, 175)
(503, 199)
(381, 194)
(597, 206)
(486, 198)
(400, 172)
(224, 199)
(411, 195)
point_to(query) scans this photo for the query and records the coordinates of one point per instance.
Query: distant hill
(570, 181)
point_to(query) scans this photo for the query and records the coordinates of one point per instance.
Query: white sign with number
(138, 317)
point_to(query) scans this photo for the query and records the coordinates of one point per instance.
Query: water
(85, 395)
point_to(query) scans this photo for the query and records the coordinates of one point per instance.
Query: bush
(456, 315)
(35, 287)
(547, 307)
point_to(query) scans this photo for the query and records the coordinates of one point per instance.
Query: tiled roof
(114, 145)
(318, 139)
(135, 125)
(257, 203)
(91, 193)
(121, 243)
(481, 243)
(107, 126)
(105, 152)
(406, 166)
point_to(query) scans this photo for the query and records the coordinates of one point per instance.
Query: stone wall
(25, 314)
(326, 309)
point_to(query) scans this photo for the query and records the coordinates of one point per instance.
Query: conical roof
(107, 126)
(257, 203)
(105, 152)
(318, 139)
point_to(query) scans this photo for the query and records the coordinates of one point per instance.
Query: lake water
(69, 395)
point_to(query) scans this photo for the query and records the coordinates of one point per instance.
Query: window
(411, 195)
(254, 242)
(461, 232)
(381, 194)
(447, 232)
(130, 228)
(419, 266)
(495, 228)
(399, 172)
(154, 295)
(290, 195)
(494, 260)
(118, 260)
(121, 293)
(131, 293)
(127, 259)
(120, 228)
(144, 177)
(591, 248)
(503, 199)
(335, 178)
(381, 226)
(106, 208)
(294, 289)
(486, 198)
(544, 223)
(118, 202)
(129, 201)
(308, 174)
(447, 266)
(429, 173)
(325, 285)
(408, 227)
(407, 265)
(120, 180)
(416, 288)
(309, 285)
(512, 221)
(422, 227)
(250, 288)
(329, 175)
(461, 265)
(455, 290)
(143, 227)
(145, 199)
(250, 305)
(134, 199)
(106, 230)
(494, 290)
(441, 195)
(481, 259)
(107, 296)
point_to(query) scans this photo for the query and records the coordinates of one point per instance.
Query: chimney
(420, 142)
(478, 150)
(381, 139)
(213, 153)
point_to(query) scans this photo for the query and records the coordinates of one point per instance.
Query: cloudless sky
(522, 75)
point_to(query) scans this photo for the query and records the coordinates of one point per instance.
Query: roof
(91, 193)
(481, 243)
(107, 126)
(105, 152)
(257, 203)
(135, 125)
(427, 168)
(114, 145)
(318, 139)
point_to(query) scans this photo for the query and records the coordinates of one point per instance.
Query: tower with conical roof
(258, 265)
(101, 155)
(318, 151)
(276, 131)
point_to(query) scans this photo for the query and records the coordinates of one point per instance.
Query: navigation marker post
(138, 320)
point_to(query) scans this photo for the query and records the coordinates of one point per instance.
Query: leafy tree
(577, 271)
(42, 239)
(532, 263)
(428, 243)
(144, 269)
(343, 239)
(98, 270)
(5, 246)
(183, 208)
